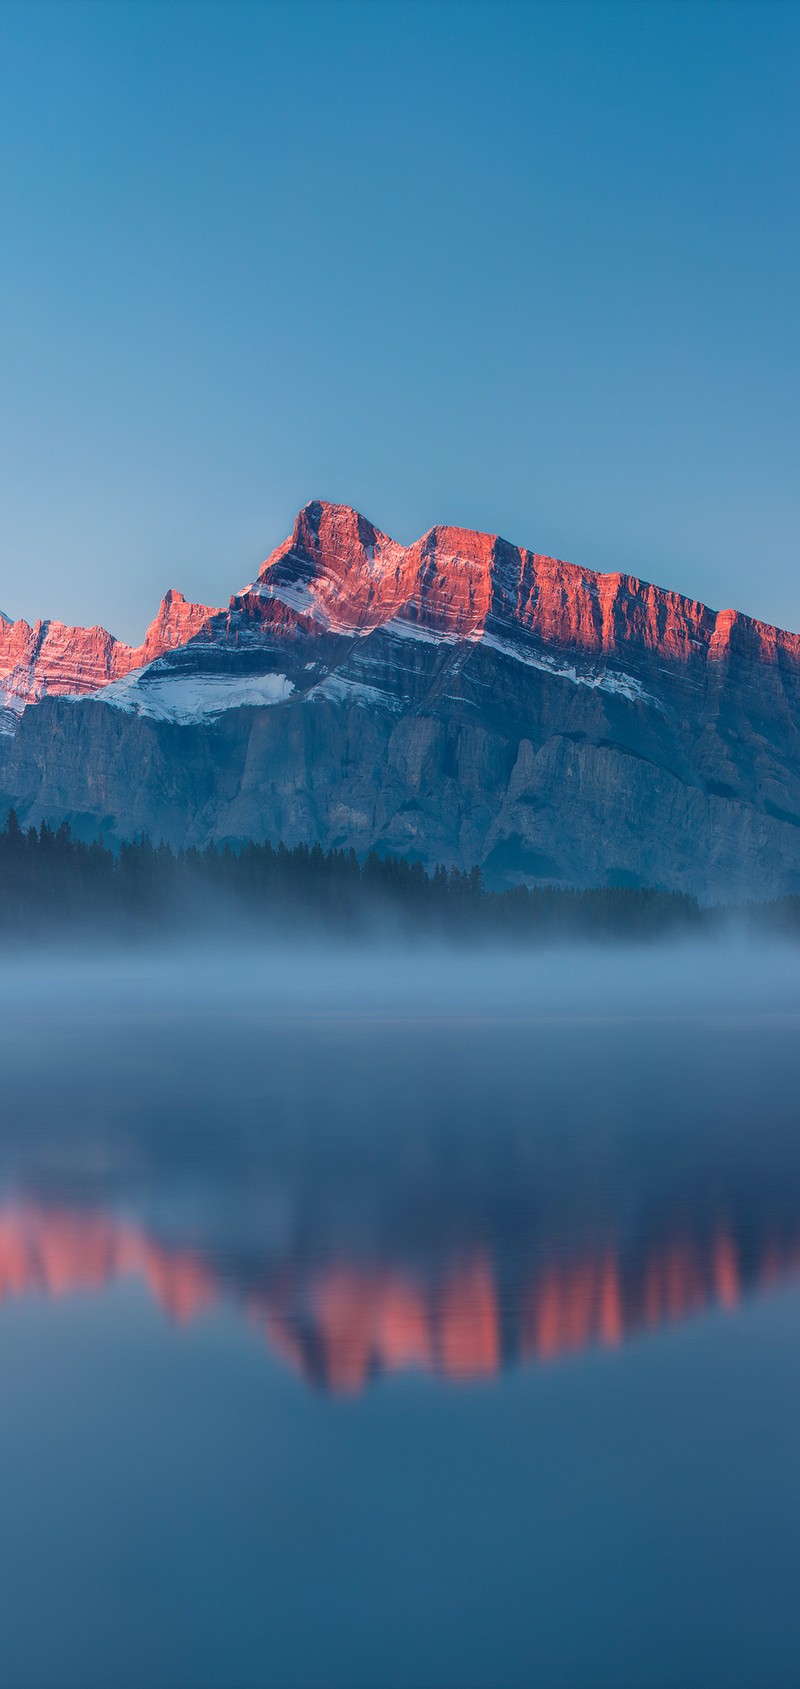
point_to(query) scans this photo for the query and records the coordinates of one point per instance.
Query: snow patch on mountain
(307, 601)
(604, 680)
(18, 689)
(399, 628)
(339, 690)
(13, 698)
(296, 595)
(189, 698)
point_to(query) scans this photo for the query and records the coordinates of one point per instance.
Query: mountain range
(459, 700)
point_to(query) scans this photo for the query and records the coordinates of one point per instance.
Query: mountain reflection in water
(373, 1351)
(343, 1324)
(371, 1200)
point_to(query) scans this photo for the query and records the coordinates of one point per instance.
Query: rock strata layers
(51, 659)
(460, 700)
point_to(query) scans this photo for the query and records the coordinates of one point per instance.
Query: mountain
(52, 659)
(460, 699)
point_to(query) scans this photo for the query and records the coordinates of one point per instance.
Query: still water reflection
(538, 1281)
(342, 1324)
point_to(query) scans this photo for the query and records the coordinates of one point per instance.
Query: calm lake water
(415, 1330)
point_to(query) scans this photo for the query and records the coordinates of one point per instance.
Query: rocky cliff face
(52, 659)
(459, 699)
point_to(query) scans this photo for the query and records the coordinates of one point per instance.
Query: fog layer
(733, 976)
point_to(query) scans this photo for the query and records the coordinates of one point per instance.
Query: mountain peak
(52, 658)
(177, 622)
(460, 698)
(320, 524)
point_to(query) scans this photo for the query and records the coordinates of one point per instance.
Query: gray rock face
(586, 730)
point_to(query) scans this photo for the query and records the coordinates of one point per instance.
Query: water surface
(434, 1325)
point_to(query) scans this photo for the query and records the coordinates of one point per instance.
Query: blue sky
(528, 268)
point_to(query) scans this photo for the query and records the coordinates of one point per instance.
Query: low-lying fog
(686, 979)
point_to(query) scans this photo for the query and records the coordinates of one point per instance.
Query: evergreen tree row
(51, 881)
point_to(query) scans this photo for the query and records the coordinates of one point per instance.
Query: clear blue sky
(528, 268)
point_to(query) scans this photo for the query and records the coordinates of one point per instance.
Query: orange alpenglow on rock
(342, 574)
(53, 659)
(459, 700)
(349, 576)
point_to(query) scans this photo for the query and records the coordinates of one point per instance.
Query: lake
(400, 1322)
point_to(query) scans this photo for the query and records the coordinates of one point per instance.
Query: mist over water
(404, 1310)
(732, 973)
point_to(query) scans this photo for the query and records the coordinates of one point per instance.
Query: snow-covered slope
(184, 698)
(337, 581)
(51, 658)
(459, 699)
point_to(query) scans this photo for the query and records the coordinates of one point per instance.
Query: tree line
(51, 881)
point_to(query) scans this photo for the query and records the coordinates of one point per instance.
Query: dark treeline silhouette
(51, 882)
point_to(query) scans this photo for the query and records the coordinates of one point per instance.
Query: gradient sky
(527, 268)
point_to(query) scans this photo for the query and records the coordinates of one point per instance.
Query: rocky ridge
(460, 699)
(53, 659)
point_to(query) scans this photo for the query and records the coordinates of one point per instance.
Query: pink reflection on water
(344, 1323)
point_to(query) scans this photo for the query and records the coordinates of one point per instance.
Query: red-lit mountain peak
(52, 658)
